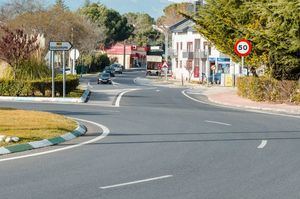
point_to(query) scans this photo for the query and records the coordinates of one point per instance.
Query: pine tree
(61, 4)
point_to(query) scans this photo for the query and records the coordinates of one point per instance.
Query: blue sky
(152, 7)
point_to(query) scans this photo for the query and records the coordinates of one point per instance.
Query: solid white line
(136, 182)
(215, 122)
(105, 130)
(239, 108)
(263, 144)
(117, 104)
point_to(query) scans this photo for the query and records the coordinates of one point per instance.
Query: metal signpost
(53, 47)
(243, 48)
(74, 55)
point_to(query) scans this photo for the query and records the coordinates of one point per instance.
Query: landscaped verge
(32, 126)
(36, 129)
(269, 89)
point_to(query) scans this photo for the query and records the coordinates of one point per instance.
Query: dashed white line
(215, 122)
(263, 144)
(105, 133)
(117, 104)
(136, 182)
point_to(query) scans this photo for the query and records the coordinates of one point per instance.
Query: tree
(143, 33)
(14, 8)
(115, 26)
(272, 26)
(61, 4)
(58, 24)
(172, 13)
(17, 47)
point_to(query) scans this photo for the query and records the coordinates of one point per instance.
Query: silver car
(118, 68)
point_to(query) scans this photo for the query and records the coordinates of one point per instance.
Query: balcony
(188, 55)
(173, 53)
(199, 54)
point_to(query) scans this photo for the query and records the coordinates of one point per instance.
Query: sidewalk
(228, 97)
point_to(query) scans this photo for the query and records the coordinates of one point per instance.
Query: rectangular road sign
(60, 46)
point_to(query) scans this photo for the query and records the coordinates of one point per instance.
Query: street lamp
(165, 30)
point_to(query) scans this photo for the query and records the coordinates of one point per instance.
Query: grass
(76, 93)
(33, 126)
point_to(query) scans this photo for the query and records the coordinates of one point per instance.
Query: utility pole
(124, 54)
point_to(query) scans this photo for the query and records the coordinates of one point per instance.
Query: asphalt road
(161, 145)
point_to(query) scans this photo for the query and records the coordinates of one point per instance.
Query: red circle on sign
(243, 47)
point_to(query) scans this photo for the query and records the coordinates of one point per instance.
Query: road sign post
(243, 48)
(64, 73)
(62, 47)
(52, 68)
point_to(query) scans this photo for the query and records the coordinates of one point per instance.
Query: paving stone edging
(84, 98)
(79, 131)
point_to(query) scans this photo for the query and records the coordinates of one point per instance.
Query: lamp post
(165, 30)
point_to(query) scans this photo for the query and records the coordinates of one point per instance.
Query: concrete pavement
(158, 134)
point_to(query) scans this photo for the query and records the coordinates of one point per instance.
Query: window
(189, 46)
(180, 45)
(176, 63)
(180, 64)
(177, 46)
(197, 44)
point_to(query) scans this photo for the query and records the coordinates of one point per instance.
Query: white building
(193, 57)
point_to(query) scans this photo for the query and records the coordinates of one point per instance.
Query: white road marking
(136, 182)
(263, 144)
(89, 85)
(239, 108)
(117, 104)
(157, 90)
(215, 122)
(105, 133)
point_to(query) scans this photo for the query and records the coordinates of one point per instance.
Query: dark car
(118, 68)
(110, 70)
(104, 78)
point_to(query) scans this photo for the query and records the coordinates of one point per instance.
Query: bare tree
(14, 8)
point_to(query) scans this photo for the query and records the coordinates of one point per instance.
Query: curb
(254, 107)
(79, 131)
(82, 99)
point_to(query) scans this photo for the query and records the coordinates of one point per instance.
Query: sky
(153, 7)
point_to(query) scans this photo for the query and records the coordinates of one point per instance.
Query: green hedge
(268, 89)
(40, 87)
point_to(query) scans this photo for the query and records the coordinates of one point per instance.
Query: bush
(267, 89)
(41, 87)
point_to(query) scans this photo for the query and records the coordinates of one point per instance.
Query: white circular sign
(74, 53)
(243, 47)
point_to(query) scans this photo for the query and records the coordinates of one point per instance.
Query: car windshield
(105, 75)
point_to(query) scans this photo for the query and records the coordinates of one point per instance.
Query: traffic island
(35, 129)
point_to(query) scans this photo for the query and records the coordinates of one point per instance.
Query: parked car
(110, 70)
(118, 68)
(104, 78)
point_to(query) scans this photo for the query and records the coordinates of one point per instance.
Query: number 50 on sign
(243, 47)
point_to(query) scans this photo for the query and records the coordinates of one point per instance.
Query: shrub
(267, 89)
(41, 87)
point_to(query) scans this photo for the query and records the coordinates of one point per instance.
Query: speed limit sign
(243, 47)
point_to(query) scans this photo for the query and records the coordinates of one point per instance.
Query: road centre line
(136, 182)
(105, 133)
(117, 104)
(263, 144)
(215, 122)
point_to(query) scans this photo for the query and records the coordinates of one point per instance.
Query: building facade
(135, 56)
(193, 56)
